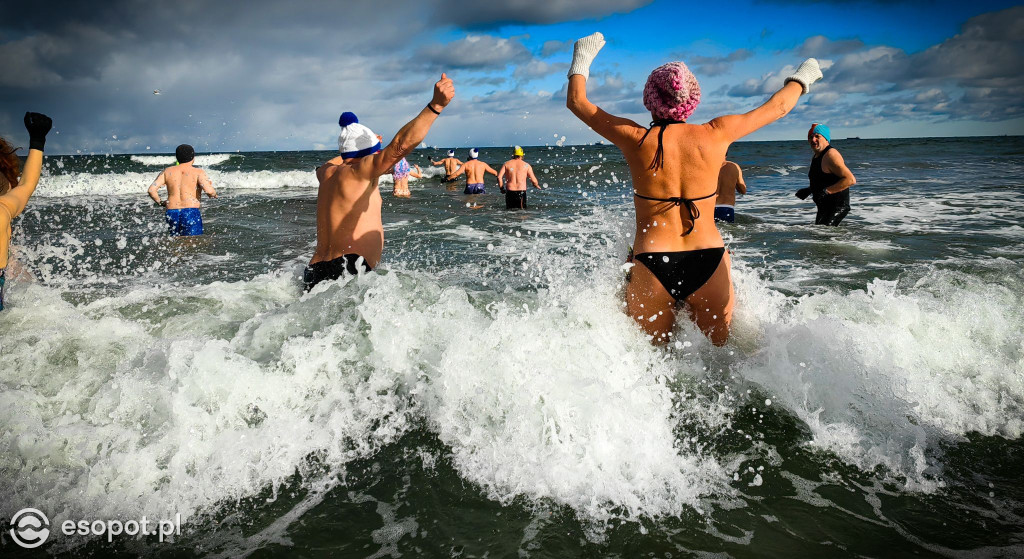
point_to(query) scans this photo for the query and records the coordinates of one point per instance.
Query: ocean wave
(169, 160)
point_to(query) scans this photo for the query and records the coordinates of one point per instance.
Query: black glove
(803, 193)
(37, 125)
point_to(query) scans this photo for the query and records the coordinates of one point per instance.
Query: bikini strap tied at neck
(659, 155)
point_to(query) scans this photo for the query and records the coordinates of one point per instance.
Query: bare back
(184, 186)
(348, 214)
(693, 155)
(728, 184)
(451, 165)
(475, 171)
(516, 173)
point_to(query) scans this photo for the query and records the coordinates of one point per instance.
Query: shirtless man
(185, 185)
(474, 170)
(349, 230)
(830, 178)
(515, 171)
(451, 164)
(730, 181)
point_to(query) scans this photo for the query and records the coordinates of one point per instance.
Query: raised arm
(488, 169)
(413, 133)
(833, 163)
(207, 185)
(531, 176)
(154, 188)
(15, 200)
(734, 127)
(616, 130)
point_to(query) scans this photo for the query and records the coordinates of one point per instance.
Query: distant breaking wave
(168, 160)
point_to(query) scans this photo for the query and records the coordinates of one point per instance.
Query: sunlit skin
(475, 171)
(730, 182)
(348, 207)
(185, 185)
(13, 202)
(451, 164)
(693, 157)
(401, 186)
(514, 174)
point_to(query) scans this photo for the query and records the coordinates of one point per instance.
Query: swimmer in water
(15, 191)
(349, 229)
(185, 186)
(474, 170)
(451, 165)
(675, 167)
(400, 175)
(730, 181)
(830, 178)
(515, 173)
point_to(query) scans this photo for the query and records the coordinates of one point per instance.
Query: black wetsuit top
(832, 208)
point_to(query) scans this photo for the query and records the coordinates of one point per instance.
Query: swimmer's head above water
(821, 130)
(474, 153)
(672, 92)
(355, 139)
(184, 153)
(451, 153)
(518, 151)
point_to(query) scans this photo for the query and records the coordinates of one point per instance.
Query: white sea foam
(89, 184)
(883, 374)
(179, 398)
(169, 160)
(93, 184)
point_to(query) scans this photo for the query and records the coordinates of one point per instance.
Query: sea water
(483, 394)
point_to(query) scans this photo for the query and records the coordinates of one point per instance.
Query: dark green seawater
(482, 394)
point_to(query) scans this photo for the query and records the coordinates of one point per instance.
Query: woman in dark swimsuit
(674, 167)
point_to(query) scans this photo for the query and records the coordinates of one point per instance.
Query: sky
(260, 75)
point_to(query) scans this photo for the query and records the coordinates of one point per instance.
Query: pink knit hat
(672, 92)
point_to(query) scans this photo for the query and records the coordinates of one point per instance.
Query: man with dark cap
(349, 229)
(185, 185)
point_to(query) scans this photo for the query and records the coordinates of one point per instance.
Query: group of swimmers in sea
(512, 178)
(681, 179)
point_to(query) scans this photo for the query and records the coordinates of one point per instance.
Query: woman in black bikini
(674, 167)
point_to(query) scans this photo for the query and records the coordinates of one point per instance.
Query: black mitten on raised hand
(37, 125)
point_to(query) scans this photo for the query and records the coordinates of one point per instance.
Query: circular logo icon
(30, 528)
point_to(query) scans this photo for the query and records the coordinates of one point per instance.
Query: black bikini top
(659, 158)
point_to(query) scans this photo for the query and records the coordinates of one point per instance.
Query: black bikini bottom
(682, 273)
(332, 269)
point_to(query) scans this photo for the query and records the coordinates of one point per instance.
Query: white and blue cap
(355, 139)
(451, 153)
(474, 153)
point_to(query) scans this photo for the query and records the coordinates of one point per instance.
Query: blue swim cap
(347, 118)
(824, 131)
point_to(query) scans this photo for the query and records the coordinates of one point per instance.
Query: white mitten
(584, 52)
(806, 74)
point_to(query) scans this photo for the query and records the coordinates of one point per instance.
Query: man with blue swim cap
(830, 178)
(185, 185)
